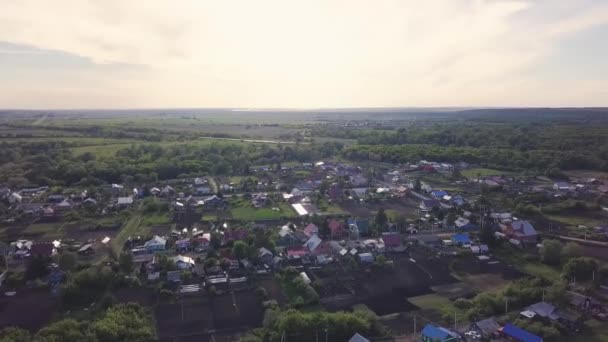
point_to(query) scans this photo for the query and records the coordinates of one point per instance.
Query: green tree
(37, 267)
(486, 235)
(551, 251)
(239, 249)
(12, 334)
(417, 185)
(67, 261)
(579, 269)
(381, 219)
(67, 330)
(125, 262)
(571, 250)
(125, 322)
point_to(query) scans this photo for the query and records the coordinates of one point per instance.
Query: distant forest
(546, 141)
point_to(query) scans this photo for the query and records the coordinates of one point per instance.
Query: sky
(302, 54)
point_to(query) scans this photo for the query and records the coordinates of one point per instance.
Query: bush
(463, 304)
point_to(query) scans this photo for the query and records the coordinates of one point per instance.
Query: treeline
(52, 163)
(123, 322)
(318, 326)
(507, 159)
(514, 144)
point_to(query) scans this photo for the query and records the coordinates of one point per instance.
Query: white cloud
(288, 53)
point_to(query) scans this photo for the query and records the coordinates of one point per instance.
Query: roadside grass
(44, 231)
(133, 226)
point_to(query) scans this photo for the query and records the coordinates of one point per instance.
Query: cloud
(288, 53)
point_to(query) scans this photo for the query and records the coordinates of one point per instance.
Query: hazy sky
(302, 54)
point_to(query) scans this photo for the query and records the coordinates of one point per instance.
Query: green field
(594, 331)
(153, 219)
(251, 213)
(517, 258)
(483, 172)
(574, 220)
(431, 301)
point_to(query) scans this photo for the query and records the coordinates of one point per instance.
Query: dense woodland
(52, 162)
(509, 142)
(514, 145)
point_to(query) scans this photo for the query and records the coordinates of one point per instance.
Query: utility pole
(543, 295)
(506, 305)
(454, 320)
(414, 323)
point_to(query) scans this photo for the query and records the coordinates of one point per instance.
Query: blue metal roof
(461, 238)
(520, 334)
(435, 333)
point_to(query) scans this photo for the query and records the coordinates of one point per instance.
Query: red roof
(311, 230)
(335, 227)
(297, 251)
(391, 239)
(235, 235)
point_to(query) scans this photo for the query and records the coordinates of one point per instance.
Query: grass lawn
(251, 213)
(517, 258)
(242, 209)
(574, 220)
(594, 331)
(541, 270)
(431, 301)
(486, 282)
(38, 231)
(153, 219)
(473, 173)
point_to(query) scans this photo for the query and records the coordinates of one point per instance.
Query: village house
(311, 230)
(182, 245)
(55, 198)
(15, 198)
(235, 235)
(167, 191)
(521, 230)
(259, 200)
(562, 186)
(312, 243)
(392, 242)
(358, 227)
(266, 256)
(487, 328)
(287, 237)
(183, 262)
(86, 249)
(431, 333)
(213, 202)
(201, 239)
(337, 229)
(155, 244)
(439, 194)
(519, 334)
(124, 202)
(428, 205)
